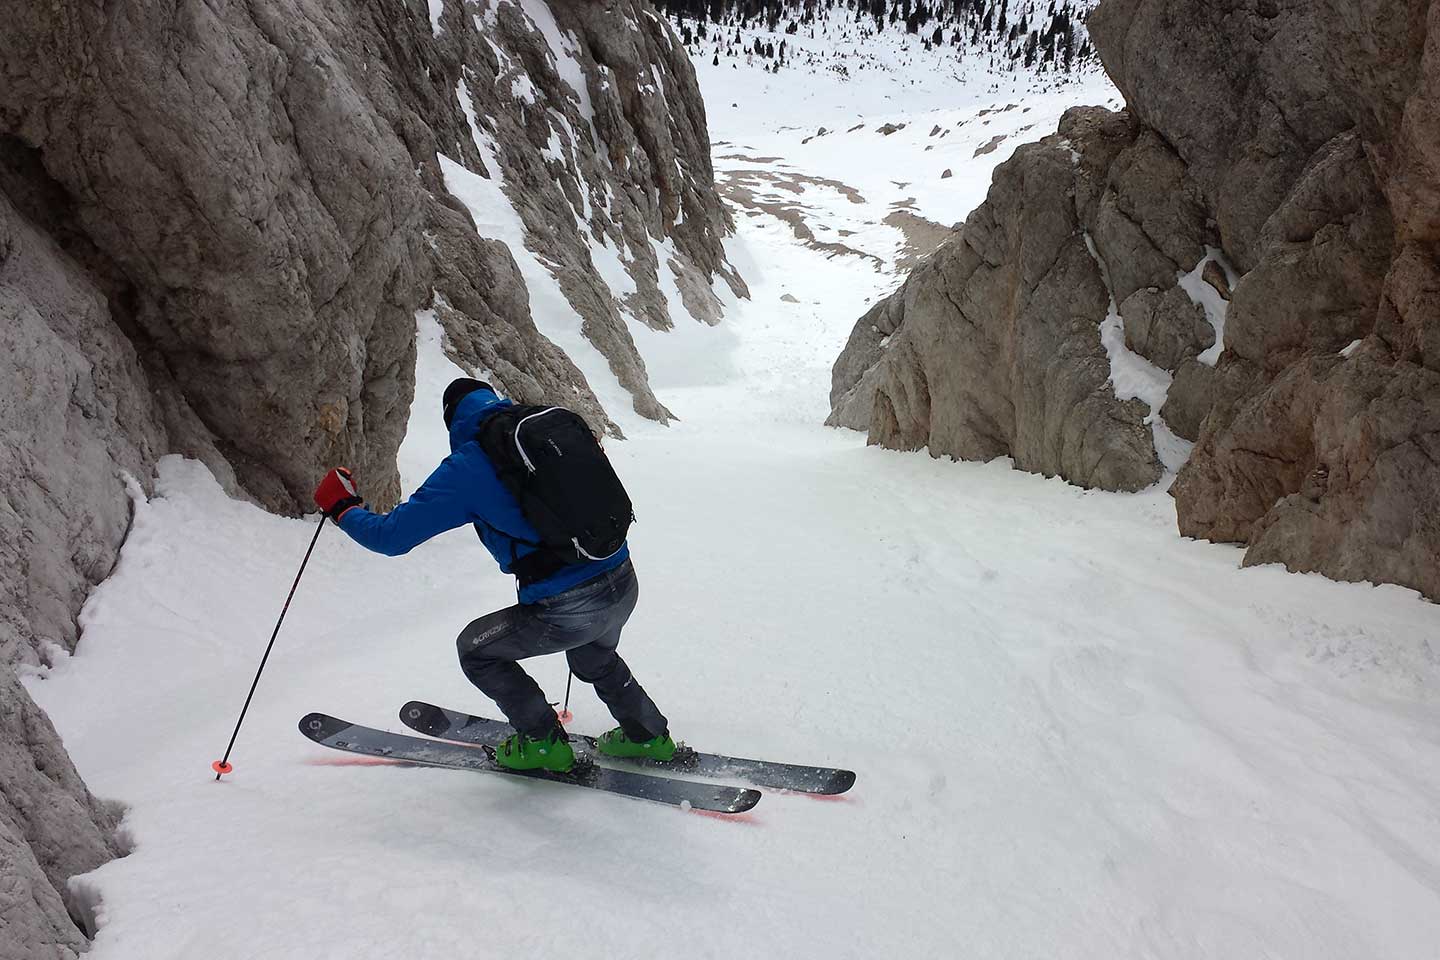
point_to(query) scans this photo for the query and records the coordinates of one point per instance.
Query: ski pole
(223, 766)
(565, 715)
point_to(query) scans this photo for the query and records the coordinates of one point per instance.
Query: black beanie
(460, 388)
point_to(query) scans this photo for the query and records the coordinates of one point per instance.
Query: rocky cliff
(1265, 224)
(993, 346)
(217, 224)
(1319, 437)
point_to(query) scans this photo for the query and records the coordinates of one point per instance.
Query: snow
(484, 27)
(1209, 299)
(481, 138)
(898, 167)
(522, 88)
(437, 7)
(1133, 377)
(426, 433)
(1128, 764)
(566, 52)
(554, 149)
(889, 78)
(1077, 734)
(613, 268)
(496, 219)
(1350, 348)
(691, 353)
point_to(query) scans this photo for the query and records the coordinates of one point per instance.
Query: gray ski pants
(585, 623)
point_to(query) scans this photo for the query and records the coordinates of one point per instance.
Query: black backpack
(549, 460)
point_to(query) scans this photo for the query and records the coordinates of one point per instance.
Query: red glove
(336, 493)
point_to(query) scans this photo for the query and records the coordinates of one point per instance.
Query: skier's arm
(441, 503)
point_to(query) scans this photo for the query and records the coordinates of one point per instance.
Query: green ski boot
(519, 752)
(616, 744)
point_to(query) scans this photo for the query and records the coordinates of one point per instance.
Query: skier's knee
(469, 646)
(594, 669)
(465, 642)
(476, 667)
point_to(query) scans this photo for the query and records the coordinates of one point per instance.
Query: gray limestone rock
(1240, 94)
(1189, 399)
(992, 347)
(1303, 141)
(72, 385)
(1155, 209)
(594, 125)
(1167, 328)
(1214, 275)
(1326, 248)
(274, 243)
(51, 829)
(853, 379)
(1312, 131)
(1369, 510)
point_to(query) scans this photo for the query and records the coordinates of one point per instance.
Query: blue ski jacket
(465, 489)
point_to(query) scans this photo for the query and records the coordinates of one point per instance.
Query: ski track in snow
(1076, 734)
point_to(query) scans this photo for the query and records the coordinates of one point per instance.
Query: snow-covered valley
(1076, 733)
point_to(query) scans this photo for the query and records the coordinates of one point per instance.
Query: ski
(354, 738)
(454, 725)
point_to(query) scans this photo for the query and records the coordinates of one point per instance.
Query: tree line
(1034, 35)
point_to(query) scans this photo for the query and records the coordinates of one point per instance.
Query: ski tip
(842, 780)
(728, 803)
(732, 806)
(320, 727)
(425, 718)
(745, 801)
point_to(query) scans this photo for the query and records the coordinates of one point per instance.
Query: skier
(575, 607)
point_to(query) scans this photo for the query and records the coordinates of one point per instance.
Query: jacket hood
(473, 408)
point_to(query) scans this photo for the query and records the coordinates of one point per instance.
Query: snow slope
(912, 133)
(1076, 734)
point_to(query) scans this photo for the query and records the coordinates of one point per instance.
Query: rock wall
(1318, 155)
(51, 829)
(993, 346)
(76, 410)
(1275, 179)
(217, 224)
(591, 116)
